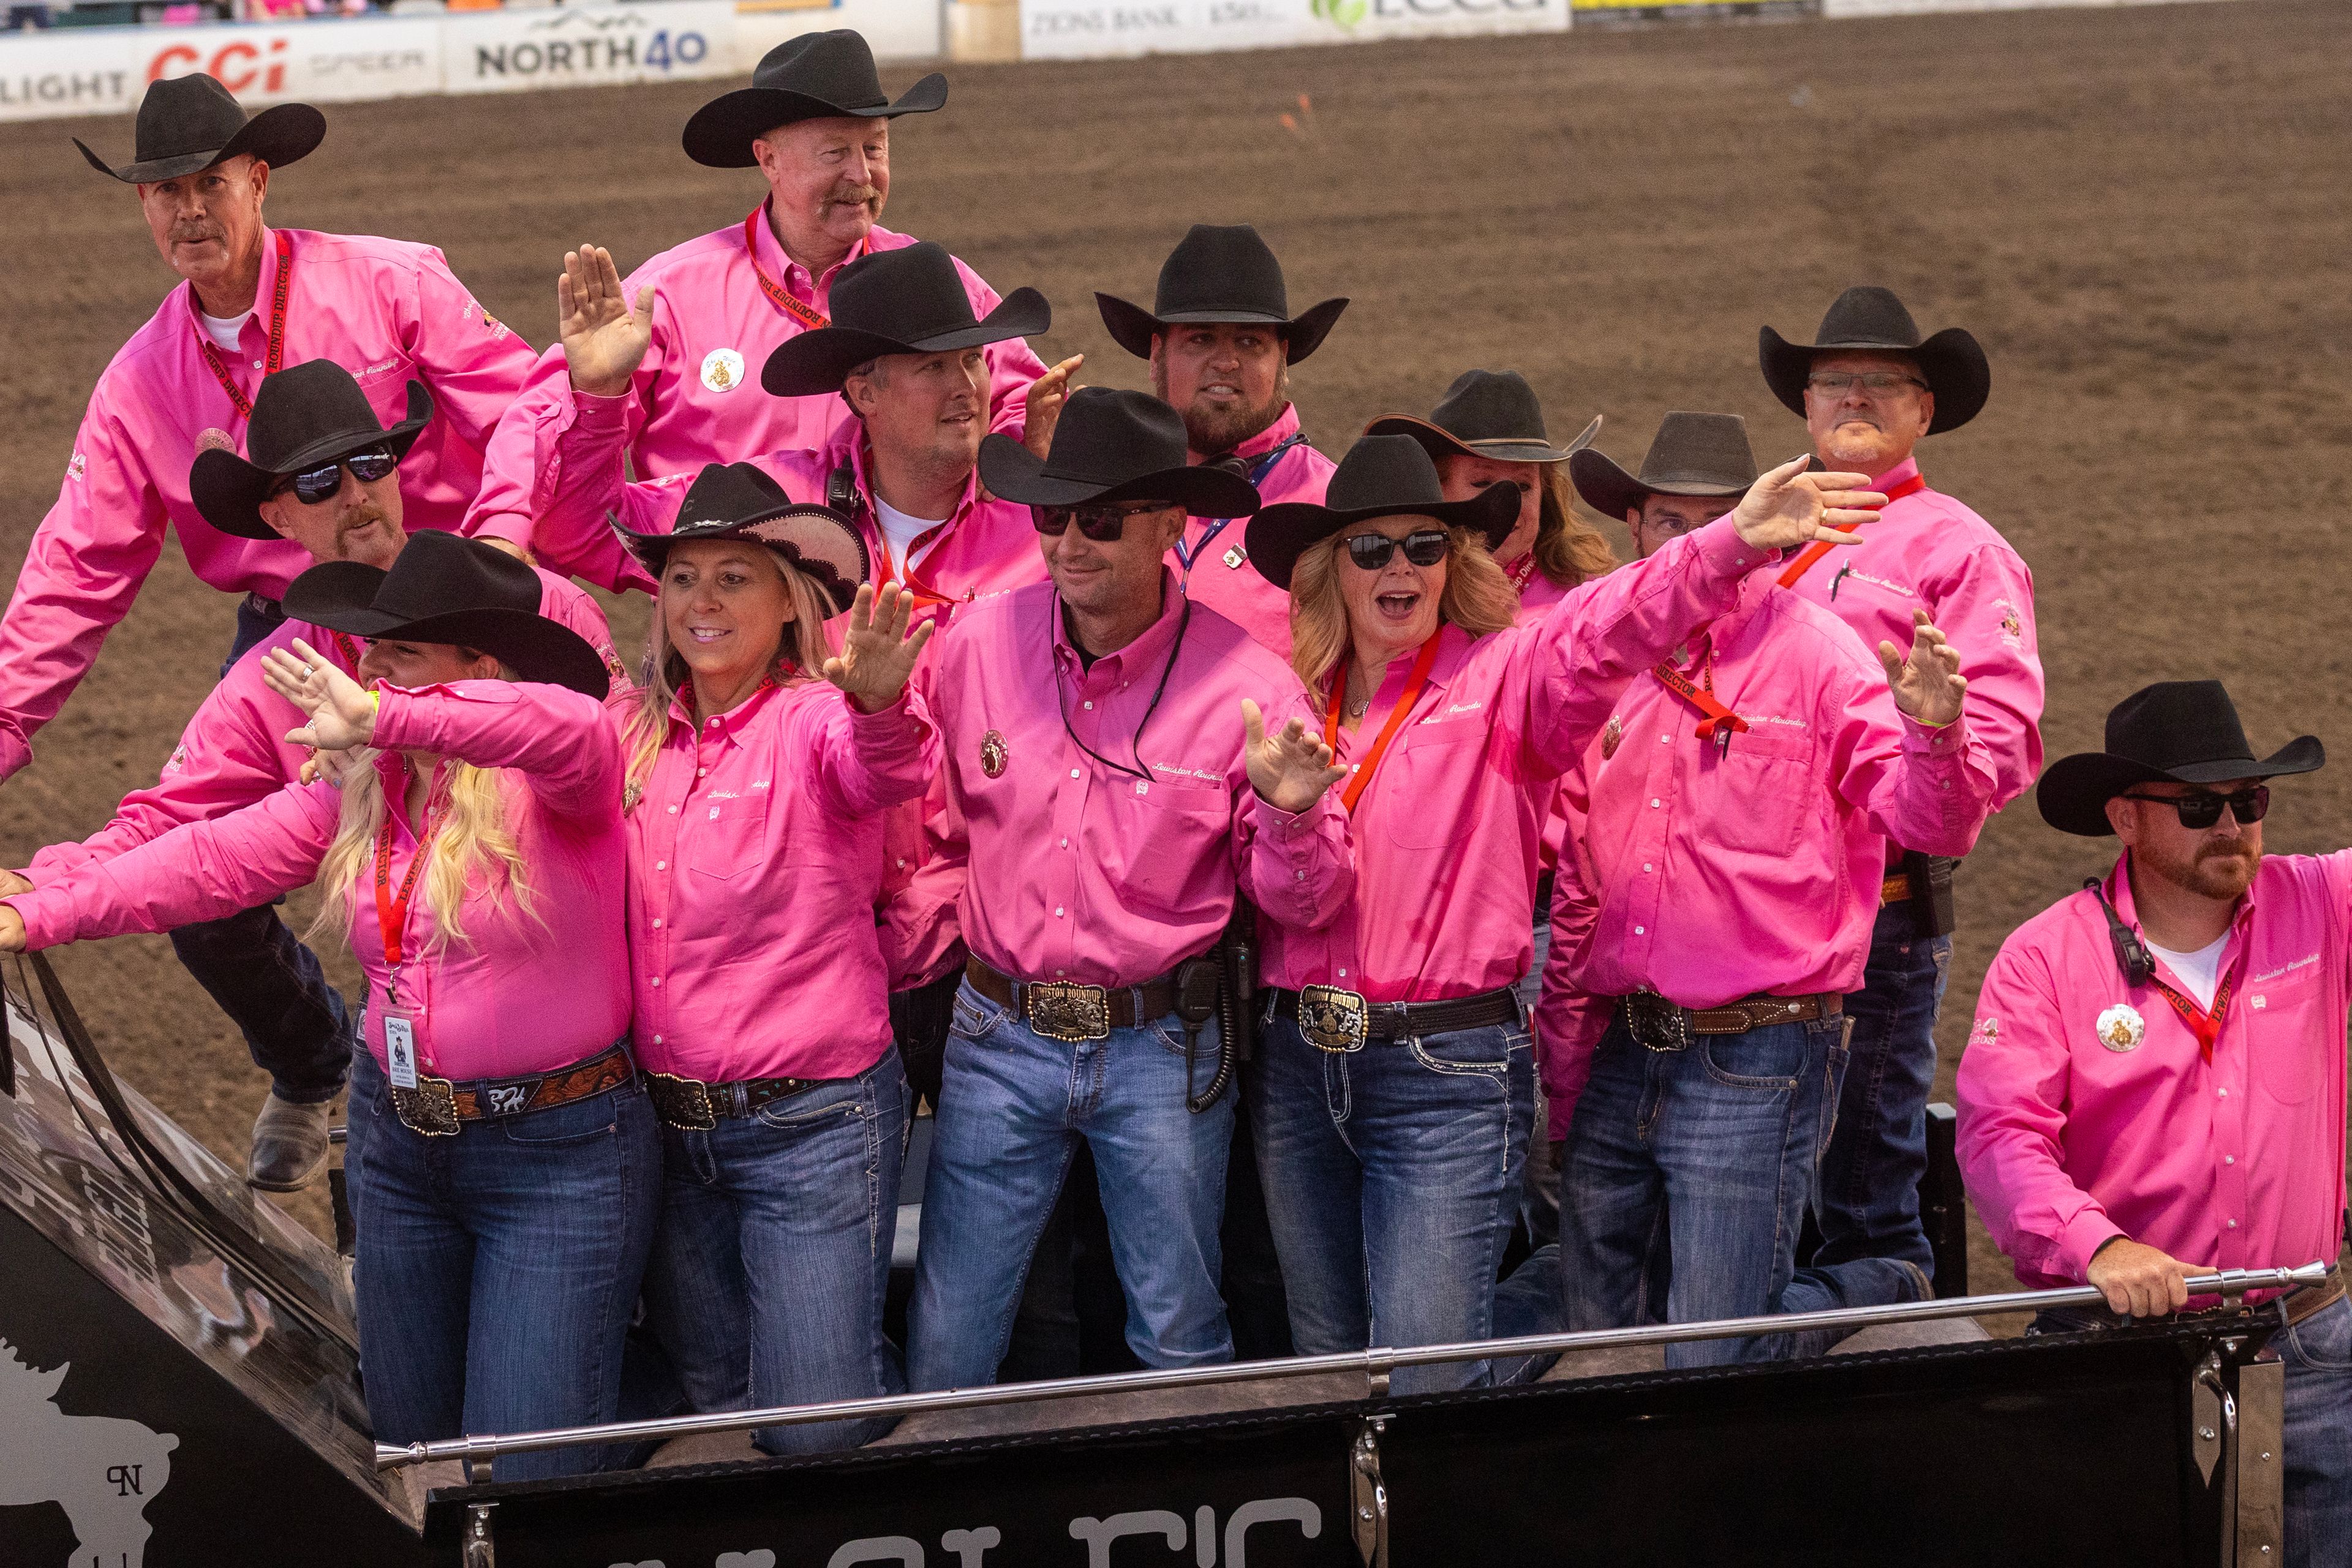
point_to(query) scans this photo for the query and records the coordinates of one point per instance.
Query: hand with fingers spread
(2139, 1281)
(604, 340)
(1290, 769)
(341, 710)
(877, 655)
(1789, 507)
(1928, 685)
(1047, 394)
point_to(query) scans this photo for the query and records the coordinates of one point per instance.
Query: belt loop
(738, 1100)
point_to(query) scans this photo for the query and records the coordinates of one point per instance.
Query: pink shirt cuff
(2085, 1234)
(16, 756)
(1728, 555)
(514, 527)
(597, 413)
(1936, 740)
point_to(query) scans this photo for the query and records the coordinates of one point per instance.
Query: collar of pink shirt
(768, 252)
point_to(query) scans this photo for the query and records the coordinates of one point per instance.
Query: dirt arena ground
(2140, 211)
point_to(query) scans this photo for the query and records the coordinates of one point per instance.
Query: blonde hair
(1478, 598)
(1568, 549)
(802, 644)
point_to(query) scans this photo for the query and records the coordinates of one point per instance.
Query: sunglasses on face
(2204, 809)
(314, 485)
(1372, 550)
(1103, 524)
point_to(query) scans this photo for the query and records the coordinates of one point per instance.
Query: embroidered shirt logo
(76, 467)
(992, 754)
(1612, 735)
(2121, 1029)
(722, 370)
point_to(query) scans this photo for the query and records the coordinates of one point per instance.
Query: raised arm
(1292, 854)
(1903, 750)
(879, 747)
(473, 363)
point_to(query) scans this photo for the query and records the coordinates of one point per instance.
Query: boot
(289, 1144)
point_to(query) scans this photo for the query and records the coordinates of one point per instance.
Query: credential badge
(214, 440)
(1236, 556)
(992, 754)
(1612, 735)
(722, 370)
(2121, 1029)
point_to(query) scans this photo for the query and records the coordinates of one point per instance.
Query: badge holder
(425, 1105)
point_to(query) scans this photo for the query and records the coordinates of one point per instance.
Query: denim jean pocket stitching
(1496, 1068)
(994, 1013)
(516, 1129)
(1786, 1084)
(2318, 1363)
(786, 1115)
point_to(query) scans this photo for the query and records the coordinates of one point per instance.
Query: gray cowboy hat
(190, 122)
(1694, 455)
(1491, 413)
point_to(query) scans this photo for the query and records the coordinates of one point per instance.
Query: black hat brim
(281, 135)
(812, 363)
(2073, 793)
(339, 596)
(721, 133)
(1012, 472)
(1951, 363)
(1132, 327)
(228, 491)
(838, 580)
(1280, 534)
(1612, 493)
(1439, 442)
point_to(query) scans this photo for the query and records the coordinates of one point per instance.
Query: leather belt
(437, 1107)
(694, 1106)
(2305, 1300)
(1066, 1011)
(1335, 1020)
(1895, 889)
(1663, 1027)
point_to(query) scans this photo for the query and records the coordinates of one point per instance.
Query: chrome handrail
(1375, 1365)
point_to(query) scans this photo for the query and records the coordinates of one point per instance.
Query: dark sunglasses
(1103, 524)
(313, 485)
(1372, 550)
(2204, 809)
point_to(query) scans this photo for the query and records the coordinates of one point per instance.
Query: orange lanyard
(1411, 694)
(1720, 721)
(808, 316)
(391, 912)
(275, 357)
(1814, 552)
(2205, 1026)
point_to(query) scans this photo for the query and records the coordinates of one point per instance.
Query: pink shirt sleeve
(585, 480)
(1928, 789)
(1568, 1024)
(1989, 615)
(560, 741)
(515, 456)
(2013, 1093)
(867, 763)
(1299, 870)
(473, 375)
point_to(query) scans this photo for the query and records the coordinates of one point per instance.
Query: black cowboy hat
(817, 75)
(191, 122)
(1382, 475)
(1694, 455)
(737, 501)
(1113, 446)
(304, 416)
(910, 300)
(1219, 274)
(2186, 731)
(1489, 413)
(445, 589)
(1867, 318)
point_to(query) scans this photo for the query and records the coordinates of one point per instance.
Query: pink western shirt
(754, 855)
(1927, 552)
(2087, 1110)
(1062, 866)
(527, 992)
(1212, 565)
(388, 310)
(1445, 834)
(697, 398)
(234, 751)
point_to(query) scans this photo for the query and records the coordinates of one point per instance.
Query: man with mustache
(1221, 339)
(2154, 1086)
(325, 481)
(817, 124)
(1869, 387)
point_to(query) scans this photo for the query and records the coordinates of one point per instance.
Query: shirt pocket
(724, 837)
(1170, 840)
(1432, 785)
(2280, 1029)
(1765, 793)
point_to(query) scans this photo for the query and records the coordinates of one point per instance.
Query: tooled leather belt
(1064, 1010)
(436, 1106)
(694, 1106)
(1663, 1027)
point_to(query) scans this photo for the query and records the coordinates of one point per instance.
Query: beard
(2223, 871)
(1212, 431)
(351, 523)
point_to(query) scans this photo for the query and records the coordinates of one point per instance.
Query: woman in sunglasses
(755, 797)
(502, 1157)
(1393, 1093)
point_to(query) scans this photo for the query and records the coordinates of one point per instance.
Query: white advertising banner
(584, 46)
(894, 29)
(1079, 29)
(105, 70)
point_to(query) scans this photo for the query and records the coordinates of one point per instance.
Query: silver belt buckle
(1333, 1020)
(1066, 1011)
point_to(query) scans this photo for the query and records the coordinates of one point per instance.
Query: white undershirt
(901, 531)
(224, 330)
(2200, 971)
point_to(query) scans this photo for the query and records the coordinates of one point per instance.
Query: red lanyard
(808, 316)
(1814, 552)
(1720, 722)
(1521, 573)
(1372, 762)
(276, 357)
(349, 649)
(390, 913)
(2206, 1025)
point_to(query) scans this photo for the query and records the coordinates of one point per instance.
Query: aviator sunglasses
(1103, 524)
(1372, 550)
(313, 485)
(2204, 809)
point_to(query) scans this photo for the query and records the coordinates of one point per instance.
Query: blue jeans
(1689, 1170)
(269, 983)
(1013, 1107)
(1869, 1204)
(498, 1270)
(772, 1255)
(1392, 1179)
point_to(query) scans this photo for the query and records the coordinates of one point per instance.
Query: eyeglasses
(1877, 382)
(313, 485)
(1103, 524)
(2204, 809)
(1372, 550)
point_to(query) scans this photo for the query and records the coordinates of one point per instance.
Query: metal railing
(1373, 1365)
